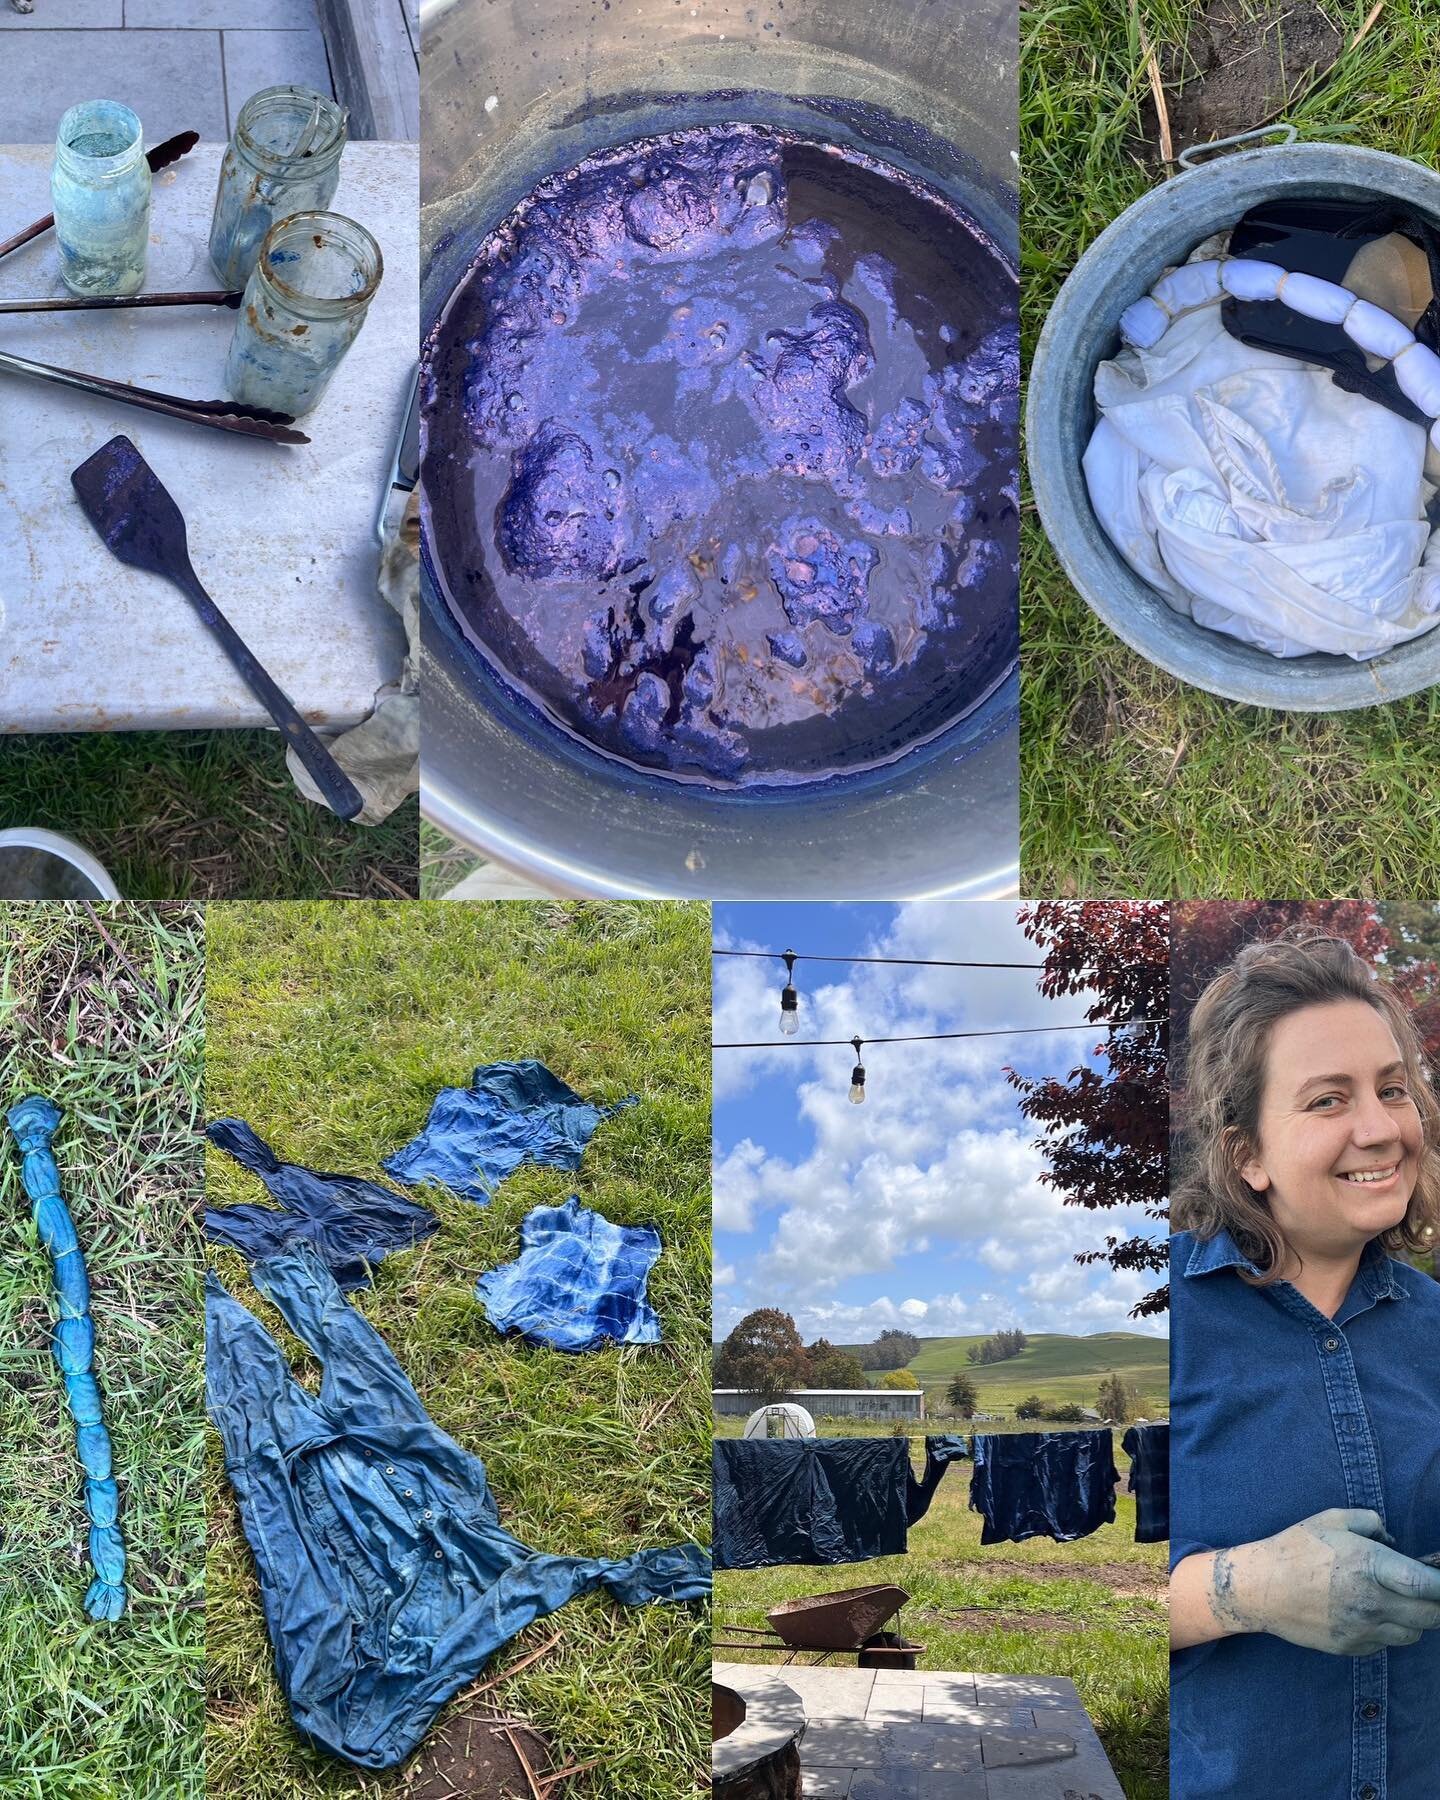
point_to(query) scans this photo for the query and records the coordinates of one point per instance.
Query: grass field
(91, 1711)
(1133, 783)
(1093, 1610)
(206, 815)
(1055, 1367)
(332, 1028)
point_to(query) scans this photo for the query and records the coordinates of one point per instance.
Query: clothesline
(911, 962)
(932, 1037)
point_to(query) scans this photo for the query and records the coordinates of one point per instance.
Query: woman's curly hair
(1229, 1045)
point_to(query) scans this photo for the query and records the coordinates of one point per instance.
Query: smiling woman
(1303, 1617)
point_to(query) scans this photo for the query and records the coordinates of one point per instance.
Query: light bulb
(789, 1011)
(789, 1023)
(857, 1086)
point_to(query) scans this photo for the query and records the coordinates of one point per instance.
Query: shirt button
(1334, 1344)
(1369, 1793)
(428, 1513)
(409, 1493)
(389, 1468)
(1370, 1710)
(440, 1553)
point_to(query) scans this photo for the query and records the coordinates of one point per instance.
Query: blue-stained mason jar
(304, 304)
(284, 158)
(100, 189)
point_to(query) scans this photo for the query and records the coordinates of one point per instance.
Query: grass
(207, 815)
(1093, 1610)
(1051, 1365)
(1132, 782)
(89, 1711)
(332, 1027)
(442, 862)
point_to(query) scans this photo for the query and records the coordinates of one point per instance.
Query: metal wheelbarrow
(837, 1624)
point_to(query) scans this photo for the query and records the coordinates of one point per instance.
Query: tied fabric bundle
(579, 1281)
(512, 1113)
(387, 1579)
(34, 1121)
(352, 1223)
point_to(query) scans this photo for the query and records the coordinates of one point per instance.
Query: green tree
(1117, 1402)
(899, 1379)
(832, 1368)
(1068, 1413)
(763, 1355)
(1033, 1407)
(891, 1350)
(963, 1395)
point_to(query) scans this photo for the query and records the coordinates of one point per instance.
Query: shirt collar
(1376, 1270)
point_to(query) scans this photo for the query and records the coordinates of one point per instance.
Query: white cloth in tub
(1260, 498)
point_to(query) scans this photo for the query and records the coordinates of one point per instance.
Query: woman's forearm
(1193, 1618)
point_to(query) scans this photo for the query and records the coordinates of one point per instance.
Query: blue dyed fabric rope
(33, 1121)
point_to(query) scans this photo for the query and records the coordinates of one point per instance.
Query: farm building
(890, 1405)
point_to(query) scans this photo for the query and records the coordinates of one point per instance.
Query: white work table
(281, 535)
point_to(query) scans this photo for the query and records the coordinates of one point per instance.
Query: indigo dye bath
(720, 457)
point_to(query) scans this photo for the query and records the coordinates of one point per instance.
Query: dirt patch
(1243, 63)
(472, 1758)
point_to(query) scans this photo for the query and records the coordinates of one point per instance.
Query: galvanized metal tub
(511, 92)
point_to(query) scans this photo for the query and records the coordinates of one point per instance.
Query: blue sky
(922, 1207)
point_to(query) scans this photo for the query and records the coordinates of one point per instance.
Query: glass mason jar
(304, 304)
(100, 189)
(284, 158)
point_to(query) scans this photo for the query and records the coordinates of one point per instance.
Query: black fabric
(809, 1500)
(940, 1452)
(1148, 1447)
(352, 1223)
(1321, 237)
(1058, 1484)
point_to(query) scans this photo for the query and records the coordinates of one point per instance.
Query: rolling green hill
(1055, 1367)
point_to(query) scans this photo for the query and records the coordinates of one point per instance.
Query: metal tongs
(218, 415)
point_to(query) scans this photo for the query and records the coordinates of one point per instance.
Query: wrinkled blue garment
(353, 1224)
(1057, 1484)
(809, 1500)
(34, 1121)
(940, 1451)
(579, 1281)
(1148, 1447)
(386, 1577)
(511, 1113)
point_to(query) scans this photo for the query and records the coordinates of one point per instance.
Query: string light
(857, 1077)
(789, 999)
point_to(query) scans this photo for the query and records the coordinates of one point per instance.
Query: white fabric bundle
(1260, 498)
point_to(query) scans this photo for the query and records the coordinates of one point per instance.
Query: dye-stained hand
(1331, 1582)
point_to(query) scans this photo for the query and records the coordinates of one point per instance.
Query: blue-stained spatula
(124, 500)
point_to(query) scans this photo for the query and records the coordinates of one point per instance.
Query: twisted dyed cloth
(387, 1579)
(578, 1283)
(353, 1224)
(511, 1113)
(34, 1121)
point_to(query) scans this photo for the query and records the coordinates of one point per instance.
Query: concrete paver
(261, 59)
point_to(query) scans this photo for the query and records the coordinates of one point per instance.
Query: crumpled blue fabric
(512, 1113)
(1056, 1484)
(385, 1575)
(353, 1224)
(34, 1121)
(941, 1450)
(1148, 1447)
(809, 1500)
(579, 1281)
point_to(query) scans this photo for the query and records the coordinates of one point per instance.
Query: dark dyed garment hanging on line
(511, 1113)
(940, 1452)
(578, 1283)
(1148, 1447)
(1057, 1484)
(810, 1500)
(353, 1224)
(386, 1577)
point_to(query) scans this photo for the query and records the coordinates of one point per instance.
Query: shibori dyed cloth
(579, 1281)
(511, 1113)
(33, 1121)
(387, 1579)
(352, 1223)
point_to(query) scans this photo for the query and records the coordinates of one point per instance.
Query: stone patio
(895, 1734)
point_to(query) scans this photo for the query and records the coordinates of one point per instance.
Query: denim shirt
(1277, 1412)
